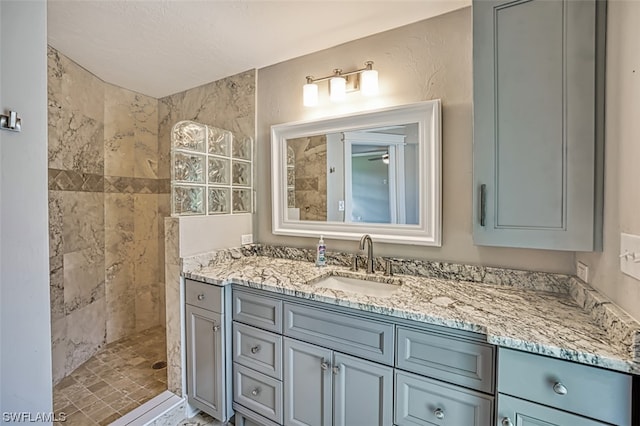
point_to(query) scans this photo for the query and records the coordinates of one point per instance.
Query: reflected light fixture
(364, 79)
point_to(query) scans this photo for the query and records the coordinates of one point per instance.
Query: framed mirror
(375, 172)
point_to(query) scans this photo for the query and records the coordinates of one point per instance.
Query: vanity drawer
(261, 312)
(519, 411)
(447, 358)
(258, 349)
(257, 392)
(205, 296)
(349, 334)
(430, 402)
(589, 391)
(246, 417)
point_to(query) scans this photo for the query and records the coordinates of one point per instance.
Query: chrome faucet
(367, 238)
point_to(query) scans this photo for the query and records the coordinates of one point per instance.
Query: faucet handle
(388, 268)
(354, 263)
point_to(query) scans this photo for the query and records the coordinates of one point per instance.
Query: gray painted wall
(426, 60)
(25, 345)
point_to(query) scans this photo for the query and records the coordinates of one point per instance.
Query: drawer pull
(255, 349)
(439, 413)
(255, 392)
(507, 422)
(324, 365)
(216, 328)
(559, 388)
(201, 297)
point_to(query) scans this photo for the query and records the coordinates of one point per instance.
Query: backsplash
(530, 280)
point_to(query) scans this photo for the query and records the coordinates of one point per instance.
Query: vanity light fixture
(364, 79)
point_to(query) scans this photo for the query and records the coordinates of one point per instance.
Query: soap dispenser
(321, 249)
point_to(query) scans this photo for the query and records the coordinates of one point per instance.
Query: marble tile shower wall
(228, 104)
(310, 176)
(106, 209)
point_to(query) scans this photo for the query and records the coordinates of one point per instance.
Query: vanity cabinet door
(518, 412)
(363, 392)
(538, 123)
(205, 353)
(307, 384)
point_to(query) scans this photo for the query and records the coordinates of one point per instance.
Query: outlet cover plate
(582, 271)
(630, 255)
(246, 239)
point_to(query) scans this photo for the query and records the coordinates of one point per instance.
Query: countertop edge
(597, 360)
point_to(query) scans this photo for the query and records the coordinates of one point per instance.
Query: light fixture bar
(366, 81)
(368, 67)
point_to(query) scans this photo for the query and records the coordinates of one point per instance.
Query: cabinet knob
(507, 422)
(324, 365)
(559, 388)
(255, 392)
(255, 349)
(439, 413)
(216, 328)
(336, 369)
(201, 297)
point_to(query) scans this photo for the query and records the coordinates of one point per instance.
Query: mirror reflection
(374, 172)
(369, 176)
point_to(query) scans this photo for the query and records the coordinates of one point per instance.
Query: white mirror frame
(428, 231)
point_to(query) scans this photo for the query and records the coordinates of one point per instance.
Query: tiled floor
(116, 380)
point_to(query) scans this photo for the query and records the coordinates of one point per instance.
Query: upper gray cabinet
(538, 123)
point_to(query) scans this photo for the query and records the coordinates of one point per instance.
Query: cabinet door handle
(255, 392)
(507, 422)
(216, 328)
(324, 365)
(559, 388)
(483, 204)
(201, 297)
(336, 369)
(439, 413)
(255, 349)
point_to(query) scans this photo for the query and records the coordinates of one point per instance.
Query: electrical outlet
(630, 255)
(247, 239)
(582, 271)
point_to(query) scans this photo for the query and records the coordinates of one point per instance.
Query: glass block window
(291, 177)
(211, 171)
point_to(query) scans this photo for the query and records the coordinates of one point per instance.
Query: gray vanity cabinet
(538, 70)
(207, 359)
(324, 388)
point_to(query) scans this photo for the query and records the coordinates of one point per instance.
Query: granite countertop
(551, 323)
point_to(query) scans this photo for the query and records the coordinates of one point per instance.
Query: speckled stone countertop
(566, 320)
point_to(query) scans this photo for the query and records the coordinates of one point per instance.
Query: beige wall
(622, 155)
(426, 60)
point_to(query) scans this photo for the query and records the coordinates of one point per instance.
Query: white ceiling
(161, 47)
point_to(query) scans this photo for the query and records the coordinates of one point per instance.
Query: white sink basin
(358, 286)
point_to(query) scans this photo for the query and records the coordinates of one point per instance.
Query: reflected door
(370, 189)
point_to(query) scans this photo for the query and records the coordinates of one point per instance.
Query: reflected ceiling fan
(384, 157)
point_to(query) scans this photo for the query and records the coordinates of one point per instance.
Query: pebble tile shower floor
(113, 382)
